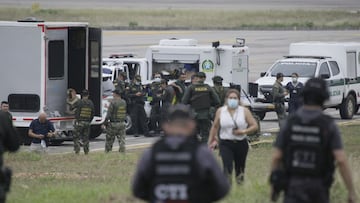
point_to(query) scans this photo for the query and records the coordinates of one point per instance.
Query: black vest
(200, 96)
(175, 176)
(308, 150)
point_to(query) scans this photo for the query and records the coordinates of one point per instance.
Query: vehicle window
(304, 69)
(324, 69)
(334, 68)
(24, 102)
(56, 59)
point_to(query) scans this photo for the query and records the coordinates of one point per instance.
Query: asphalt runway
(189, 4)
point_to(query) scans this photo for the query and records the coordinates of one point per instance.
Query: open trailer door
(95, 78)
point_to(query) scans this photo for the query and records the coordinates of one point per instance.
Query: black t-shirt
(309, 114)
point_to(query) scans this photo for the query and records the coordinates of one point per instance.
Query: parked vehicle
(337, 62)
(39, 62)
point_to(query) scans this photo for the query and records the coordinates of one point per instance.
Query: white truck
(39, 62)
(337, 62)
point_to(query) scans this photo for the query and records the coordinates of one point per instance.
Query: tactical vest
(308, 150)
(175, 176)
(119, 111)
(200, 97)
(85, 111)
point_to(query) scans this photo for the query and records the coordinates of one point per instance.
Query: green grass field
(193, 18)
(103, 177)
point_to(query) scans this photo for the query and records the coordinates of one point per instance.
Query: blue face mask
(232, 103)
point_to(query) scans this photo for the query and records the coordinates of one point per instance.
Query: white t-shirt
(227, 123)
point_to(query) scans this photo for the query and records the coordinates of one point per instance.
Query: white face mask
(232, 103)
(294, 80)
(157, 79)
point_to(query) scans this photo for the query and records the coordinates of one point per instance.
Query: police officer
(201, 97)
(219, 88)
(307, 147)
(115, 126)
(83, 116)
(137, 111)
(155, 114)
(178, 168)
(10, 141)
(294, 87)
(279, 93)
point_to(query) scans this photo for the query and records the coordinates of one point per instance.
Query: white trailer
(40, 61)
(227, 61)
(337, 62)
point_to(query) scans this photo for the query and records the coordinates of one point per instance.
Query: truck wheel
(260, 114)
(95, 131)
(347, 107)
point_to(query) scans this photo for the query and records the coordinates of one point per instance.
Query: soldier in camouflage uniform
(219, 88)
(201, 97)
(155, 114)
(83, 116)
(115, 126)
(279, 93)
(121, 84)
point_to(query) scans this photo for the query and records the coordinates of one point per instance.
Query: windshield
(304, 69)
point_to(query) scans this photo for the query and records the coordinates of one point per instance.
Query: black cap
(279, 75)
(180, 111)
(315, 91)
(85, 92)
(217, 79)
(117, 91)
(201, 75)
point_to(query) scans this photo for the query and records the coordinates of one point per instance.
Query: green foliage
(101, 177)
(193, 18)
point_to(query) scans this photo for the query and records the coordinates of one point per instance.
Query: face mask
(294, 80)
(232, 103)
(157, 79)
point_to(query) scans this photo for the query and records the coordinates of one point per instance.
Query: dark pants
(281, 113)
(234, 152)
(306, 190)
(138, 118)
(155, 118)
(204, 126)
(294, 105)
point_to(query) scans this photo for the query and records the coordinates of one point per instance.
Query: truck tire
(260, 114)
(347, 107)
(95, 131)
(24, 137)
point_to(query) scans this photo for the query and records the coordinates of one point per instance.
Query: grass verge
(193, 18)
(106, 178)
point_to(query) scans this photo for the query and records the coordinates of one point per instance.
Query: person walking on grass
(232, 123)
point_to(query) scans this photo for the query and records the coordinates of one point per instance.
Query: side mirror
(324, 76)
(262, 74)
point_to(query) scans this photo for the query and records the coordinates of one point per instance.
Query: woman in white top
(232, 123)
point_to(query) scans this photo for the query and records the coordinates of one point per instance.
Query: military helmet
(217, 79)
(201, 75)
(315, 91)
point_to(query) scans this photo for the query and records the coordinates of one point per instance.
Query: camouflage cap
(201, 75)
(217, 79)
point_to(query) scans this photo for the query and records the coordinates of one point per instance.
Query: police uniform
(155, 114)
(278, 92)
(137, 111)
(307, 142)
(295, 100)
(179, 169)
(180, 92)
(10, 142)
(115, 123)
(201, 97)
(83, 117)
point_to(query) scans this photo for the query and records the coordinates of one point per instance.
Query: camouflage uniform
(155, 114)
(278, 92)
(201, 97)
(115, 124)
(83, 117)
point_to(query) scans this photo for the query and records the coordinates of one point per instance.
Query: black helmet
(217, 79)
(315, 92)
(180, 111)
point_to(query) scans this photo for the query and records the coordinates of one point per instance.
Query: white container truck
(337, 62)
(39, 62)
